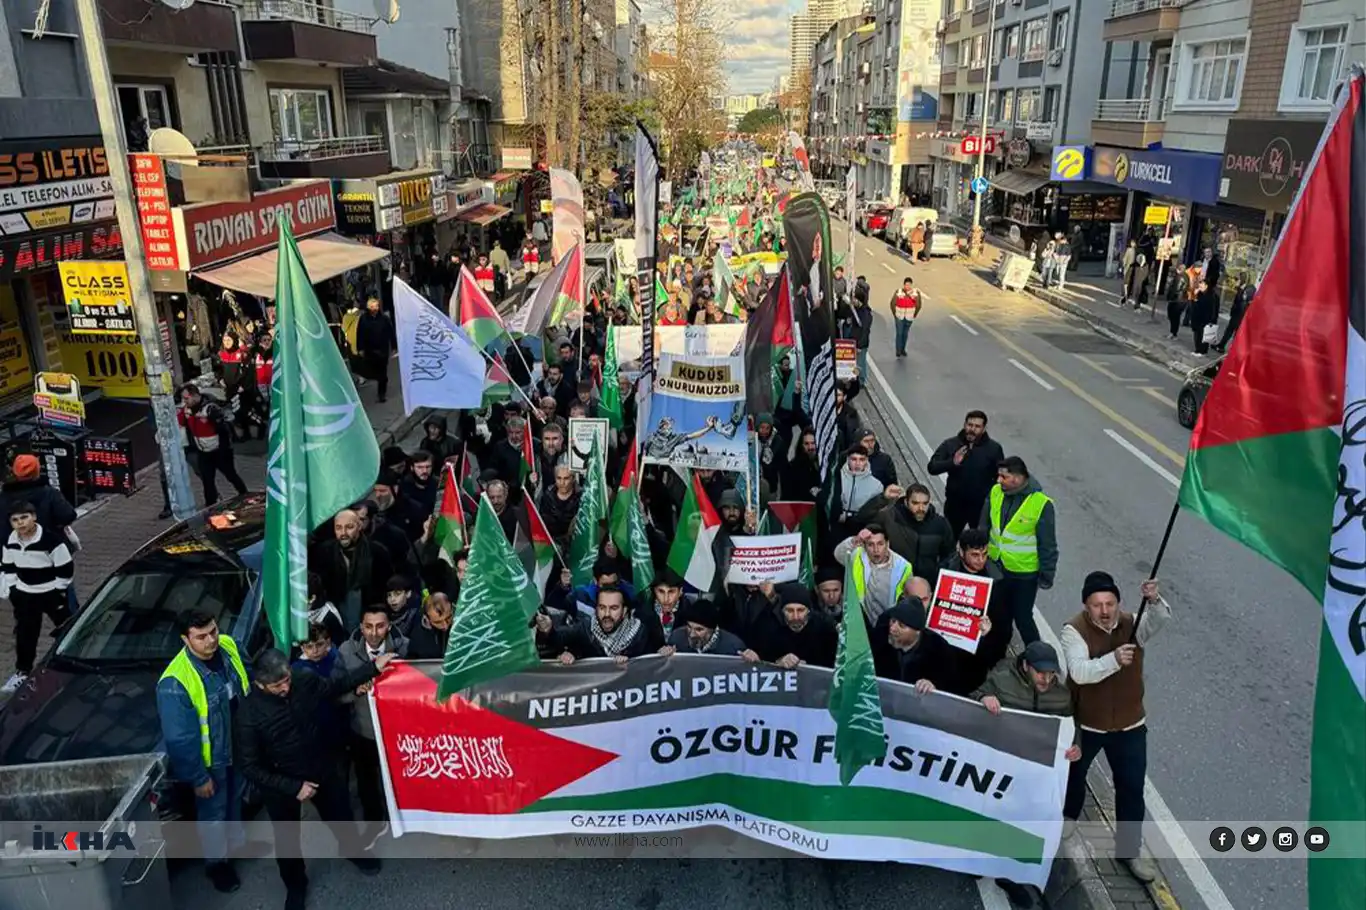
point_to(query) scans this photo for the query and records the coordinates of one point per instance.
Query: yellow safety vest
(861, 565)
(1016, 546)
(183, 671)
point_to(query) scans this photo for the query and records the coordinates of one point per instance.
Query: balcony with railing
(953, 22)
(1142, 20)
(307, 30)
(209, 25)
(1135, 122)
(342, 157)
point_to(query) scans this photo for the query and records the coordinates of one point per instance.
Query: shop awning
(325, 256)
(1018, 183)
(483, 214)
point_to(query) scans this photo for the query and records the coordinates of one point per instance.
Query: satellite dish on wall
(386, 10)
(178, 5)
(172, 144)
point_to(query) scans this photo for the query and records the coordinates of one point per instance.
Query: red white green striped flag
(497, 382)
(628, 526)
(528, 454)
(470, 487)
(476, 315)
(691, 554)
(1276, 462)
(799, 517)
(541, 550)
(451, 532)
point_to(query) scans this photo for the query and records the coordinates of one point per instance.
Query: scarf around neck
(616, 642)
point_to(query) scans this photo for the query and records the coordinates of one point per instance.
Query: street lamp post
(975, 242)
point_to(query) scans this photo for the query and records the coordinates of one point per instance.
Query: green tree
(761, 120)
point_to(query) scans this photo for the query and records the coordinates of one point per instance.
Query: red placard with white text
(960, 604)
(154, 212)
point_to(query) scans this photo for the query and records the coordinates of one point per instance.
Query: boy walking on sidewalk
(35, 571)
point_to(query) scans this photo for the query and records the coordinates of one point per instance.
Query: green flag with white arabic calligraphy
(854, 700)
(322, 454)
(489, 634)
(586, 534)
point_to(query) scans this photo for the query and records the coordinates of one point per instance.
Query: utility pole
(975, 240)
(159, 381)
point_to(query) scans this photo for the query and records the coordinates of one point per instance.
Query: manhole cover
(1081, 343)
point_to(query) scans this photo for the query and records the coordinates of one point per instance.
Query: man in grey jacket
(375, 636)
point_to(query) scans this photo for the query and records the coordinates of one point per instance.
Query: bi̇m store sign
(1192, 176)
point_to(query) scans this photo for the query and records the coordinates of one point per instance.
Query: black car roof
(227, 529)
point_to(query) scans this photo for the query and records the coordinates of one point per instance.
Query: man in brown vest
(1104, 660)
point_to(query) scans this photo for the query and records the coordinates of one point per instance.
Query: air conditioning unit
(941, 27)
(1055, 57)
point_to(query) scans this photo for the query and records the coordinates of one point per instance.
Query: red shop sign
(972, 145)
(154, 212)
(216, 232)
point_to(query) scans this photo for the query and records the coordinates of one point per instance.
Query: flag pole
(455, 298)
(1157, 563)
(490, 361)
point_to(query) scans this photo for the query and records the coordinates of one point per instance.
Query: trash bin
(98, 798)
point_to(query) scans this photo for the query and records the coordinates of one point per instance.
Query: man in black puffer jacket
(916, 532)
(970, 460)
(279, 745)
(27, 484)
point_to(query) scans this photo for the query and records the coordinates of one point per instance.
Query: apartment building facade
(1212, 112)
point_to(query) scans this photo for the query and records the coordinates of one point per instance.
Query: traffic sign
(972, 145)
(979, 185)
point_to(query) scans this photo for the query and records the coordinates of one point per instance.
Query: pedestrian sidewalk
(117, 527)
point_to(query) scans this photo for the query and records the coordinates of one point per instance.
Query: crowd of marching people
(381, 587)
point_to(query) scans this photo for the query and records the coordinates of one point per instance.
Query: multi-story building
(633, 49)
(806, 27)
(1209, 112)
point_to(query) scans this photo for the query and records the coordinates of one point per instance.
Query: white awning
(325, 256)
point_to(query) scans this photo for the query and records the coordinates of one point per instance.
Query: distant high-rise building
(805, 28)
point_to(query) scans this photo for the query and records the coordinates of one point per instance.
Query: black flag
(806, 224)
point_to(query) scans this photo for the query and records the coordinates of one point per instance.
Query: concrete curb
(1074, 882)
(1161, 354)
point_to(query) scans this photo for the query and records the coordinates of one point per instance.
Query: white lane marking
(925, 448)
(993, 898)
(1030, 373)
(967, 328)
(1201, 879)
(1142, 456)
(889, 268)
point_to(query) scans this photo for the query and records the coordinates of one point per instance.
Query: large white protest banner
(767, 557)
(439, 365)
(694, 340)
(697, 413)
(665, 744)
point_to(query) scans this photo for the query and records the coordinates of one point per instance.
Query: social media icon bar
(1285, 839)
(1316, 839)
(1254, 839)
(1222, 839)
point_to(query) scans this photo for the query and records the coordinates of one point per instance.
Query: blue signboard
(979, 185)
(1180, 175)
(1070, 162)
(920, 106)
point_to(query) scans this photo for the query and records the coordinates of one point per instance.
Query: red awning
(483, 214)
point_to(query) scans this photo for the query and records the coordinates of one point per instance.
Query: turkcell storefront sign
(1180, 175)
(1069, 163)
(1265, 160)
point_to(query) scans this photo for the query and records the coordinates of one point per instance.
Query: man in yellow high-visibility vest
(1020, 520)
(196, 698)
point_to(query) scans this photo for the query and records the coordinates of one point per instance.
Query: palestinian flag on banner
(768, 339)
(799, 518)
(476, 315)
(497, 382)
(1285, 414)
(540, 553)
(628, 526)
(698, 523)
(451, 532)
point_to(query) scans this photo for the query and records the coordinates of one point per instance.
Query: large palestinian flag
(1277, 462)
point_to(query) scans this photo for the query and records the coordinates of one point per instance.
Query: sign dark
(43, 251)
(1265, 160)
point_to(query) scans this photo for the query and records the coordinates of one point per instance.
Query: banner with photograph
(697, 413)
(806, 226)
(666, 744)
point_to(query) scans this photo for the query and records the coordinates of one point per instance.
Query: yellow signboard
(16, 370)
(57, 396)
(546, 207)
(1157, 214)
(770, 162)
(110, 362)
(42, 219)
(98, 297)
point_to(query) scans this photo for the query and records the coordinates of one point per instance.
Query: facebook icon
(1221, 839)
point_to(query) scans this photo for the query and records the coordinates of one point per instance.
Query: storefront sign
(1039, 131)
(154, 212)
(467, 195)
(16, 368)
(111, 363)
(1180, 175)
(217, 231)
(516, 159)
(409, 200)
(355, 213)
(1157, 214)
(50, 183)
(57, 396)
(1019, 153)
(43, 251)
(98, 298)
(1265, 160)
(108, 465)
(972, 145)
(1070, 163)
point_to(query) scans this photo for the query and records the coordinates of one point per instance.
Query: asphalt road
(1230, 683)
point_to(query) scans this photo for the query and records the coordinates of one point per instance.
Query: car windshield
(133, 616)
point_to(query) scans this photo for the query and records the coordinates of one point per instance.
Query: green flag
(854, 701)
(609, 403)
(490, 636)
(586, 535)
(628, 527)
(322, 454)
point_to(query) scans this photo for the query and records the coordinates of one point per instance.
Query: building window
(1035, 36)
(1058, 32)
(1012, 41)
(979, 52)
(1005, 106)
(300, 115)
(1051, 97)
(1314, 65)
(1027, 105)
(1214, 73)
(142, 108)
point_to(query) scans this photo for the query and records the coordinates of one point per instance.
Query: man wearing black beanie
(1103, 647)
(698, 631)
(801, 635)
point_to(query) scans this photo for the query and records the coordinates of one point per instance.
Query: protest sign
(960, 602)
(697, 413)
(772, 557)
(582, 431)
(687, 741)
(692, 340)
(846, 358)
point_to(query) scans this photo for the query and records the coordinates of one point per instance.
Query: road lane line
(1142, 456)
(889, 268)
(1030, 373)
(1102, 369)
(958, 319)
(1185, 852)
(1114, 416)
(1154, 392)
(993, 898)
